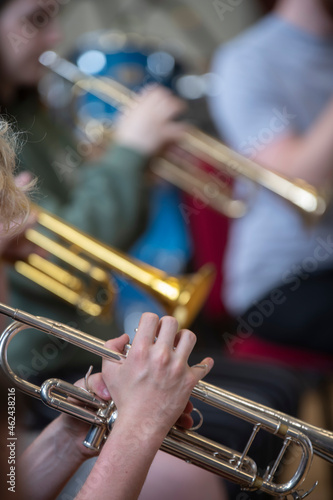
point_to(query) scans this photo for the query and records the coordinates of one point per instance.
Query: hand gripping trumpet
(187, 445)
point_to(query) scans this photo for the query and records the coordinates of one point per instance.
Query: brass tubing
(181, 296)
(196, 142)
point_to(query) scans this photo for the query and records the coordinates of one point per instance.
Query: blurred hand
(150, 124)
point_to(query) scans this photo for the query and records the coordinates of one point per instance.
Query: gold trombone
(187, 445)
(175, 166)
(182, 296)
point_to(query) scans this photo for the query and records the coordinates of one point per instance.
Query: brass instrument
(187, 445)
(175, 165)
(182, 297)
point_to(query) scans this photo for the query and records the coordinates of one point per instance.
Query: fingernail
(106, 394)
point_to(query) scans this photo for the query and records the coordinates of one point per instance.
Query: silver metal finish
(187, 445)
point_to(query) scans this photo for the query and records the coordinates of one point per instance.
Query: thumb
(203, 368)
(23, 179)
(118, 344)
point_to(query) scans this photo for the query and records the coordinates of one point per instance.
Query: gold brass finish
(199, 145)
(181, 296)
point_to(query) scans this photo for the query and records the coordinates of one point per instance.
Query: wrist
(147, 431)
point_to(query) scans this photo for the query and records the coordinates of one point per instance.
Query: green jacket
(104, 199)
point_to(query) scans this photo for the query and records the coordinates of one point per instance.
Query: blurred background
(193, 28)
(188, 30)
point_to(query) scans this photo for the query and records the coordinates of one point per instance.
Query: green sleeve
(108, 198)
(105, 198)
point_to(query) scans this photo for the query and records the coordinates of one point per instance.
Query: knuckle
(163, 357)
(178, 368)
(109, 344)
(172, 322)
(190, 381)
(189, 336)
(150, 316)
(138, 352)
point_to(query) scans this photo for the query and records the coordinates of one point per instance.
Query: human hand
(153, 385)
(150, 124)
(154, 382)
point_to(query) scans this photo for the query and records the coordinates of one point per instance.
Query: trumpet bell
(181, 296)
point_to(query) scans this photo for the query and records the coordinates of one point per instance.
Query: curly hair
(14, 203)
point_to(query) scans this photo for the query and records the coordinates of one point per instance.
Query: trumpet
(177, 165)
(187, 445)
(182, 296)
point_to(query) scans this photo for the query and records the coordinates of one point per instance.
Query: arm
(54, 456)
(57, 453)
(261, 116)
(308, 156)
(150, 389)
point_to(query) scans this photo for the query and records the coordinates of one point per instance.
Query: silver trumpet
(187, 445)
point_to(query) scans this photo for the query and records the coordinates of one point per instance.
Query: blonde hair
(14, 203)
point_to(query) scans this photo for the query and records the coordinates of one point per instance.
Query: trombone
(182, 296)
(187, 445)
(176, 166)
